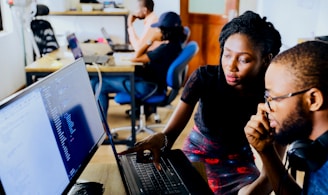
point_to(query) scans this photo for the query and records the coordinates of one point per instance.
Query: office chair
(43, 32)
(175, 78)
(187, 32)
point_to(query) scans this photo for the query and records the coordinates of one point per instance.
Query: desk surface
(113, 12)
(106, 174)
(103, 169)
(63, 56)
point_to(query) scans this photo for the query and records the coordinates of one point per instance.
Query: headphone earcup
(310, 155)
(298, 154)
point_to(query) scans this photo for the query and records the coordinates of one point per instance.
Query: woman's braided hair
(262, 33)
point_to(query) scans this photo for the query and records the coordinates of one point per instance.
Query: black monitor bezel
(32, 87)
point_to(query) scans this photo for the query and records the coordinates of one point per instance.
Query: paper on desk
(123, 59)
(57, 64)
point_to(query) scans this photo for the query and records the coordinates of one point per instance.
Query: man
(145, 13)
(296, 113)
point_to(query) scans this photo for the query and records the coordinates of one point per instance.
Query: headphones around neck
(308, 155)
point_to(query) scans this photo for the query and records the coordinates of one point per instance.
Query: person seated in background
(296, 96)
(146, 13)
(227, 95)
(156, 62)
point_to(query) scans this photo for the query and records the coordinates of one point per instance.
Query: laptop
(116, 47)
(177, 175)
(48, 133)
(75, 47)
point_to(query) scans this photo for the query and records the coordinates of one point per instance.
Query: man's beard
(297, 126)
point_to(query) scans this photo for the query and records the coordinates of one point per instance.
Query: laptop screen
(48, 133)
(73, 44)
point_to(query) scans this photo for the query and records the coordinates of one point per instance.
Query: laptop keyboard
(154, 181)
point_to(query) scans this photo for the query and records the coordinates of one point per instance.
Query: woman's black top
(222, 112)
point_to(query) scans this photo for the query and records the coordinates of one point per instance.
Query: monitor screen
(48, 133)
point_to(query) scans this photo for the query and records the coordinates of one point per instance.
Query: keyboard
(154, 181)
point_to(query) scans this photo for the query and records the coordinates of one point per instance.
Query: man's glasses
(269, 99)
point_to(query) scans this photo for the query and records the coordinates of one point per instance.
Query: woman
(156, 62)
(227, 95)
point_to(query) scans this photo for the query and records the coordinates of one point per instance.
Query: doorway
(205, 27)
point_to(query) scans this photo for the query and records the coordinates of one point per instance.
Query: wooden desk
(118, 12)
(63, 57)
(103, 169)
(105, 173)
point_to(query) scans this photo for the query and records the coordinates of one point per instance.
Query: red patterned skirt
(226, 173)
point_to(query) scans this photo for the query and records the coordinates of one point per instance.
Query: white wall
(12, 74)
(321, 23)
(296, 19)
(160, 7)
(88, 27)
(245, 5)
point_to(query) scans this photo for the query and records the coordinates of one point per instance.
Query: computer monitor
(48, 133)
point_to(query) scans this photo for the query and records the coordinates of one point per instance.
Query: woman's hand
(257, 130)
(153, 143)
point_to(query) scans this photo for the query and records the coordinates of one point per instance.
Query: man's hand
(257, 130)
(136, 15)
(131, 19)
(152, 143)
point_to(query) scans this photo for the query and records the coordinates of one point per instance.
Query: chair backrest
(41, 10)
(43, 32)
(187, 32)
(177, 72)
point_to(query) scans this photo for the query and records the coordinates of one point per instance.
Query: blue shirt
(318, 181)
(160, 60)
